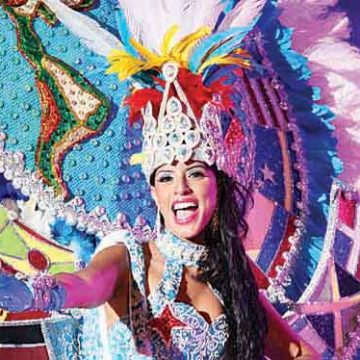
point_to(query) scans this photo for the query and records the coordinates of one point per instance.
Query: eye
(164, 178)
(195, 174)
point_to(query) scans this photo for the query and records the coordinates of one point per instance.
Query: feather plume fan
(322, 37)
(88, 30)
(149, 20)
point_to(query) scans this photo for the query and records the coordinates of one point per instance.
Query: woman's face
(186, 195)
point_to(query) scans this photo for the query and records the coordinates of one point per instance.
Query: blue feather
(316, 131)
(80, 242)
(234, 37)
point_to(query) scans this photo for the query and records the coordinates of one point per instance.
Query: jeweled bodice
(158, 326)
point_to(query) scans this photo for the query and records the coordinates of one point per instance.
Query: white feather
(243, 15)
(149, 20)
(88, 30)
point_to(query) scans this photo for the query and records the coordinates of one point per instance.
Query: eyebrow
(163, 171)
(196, 165)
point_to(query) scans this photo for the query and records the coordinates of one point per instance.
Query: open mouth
(185, 211)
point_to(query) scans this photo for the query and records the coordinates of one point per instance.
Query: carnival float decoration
(68, 139)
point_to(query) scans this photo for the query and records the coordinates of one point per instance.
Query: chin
(187, 233)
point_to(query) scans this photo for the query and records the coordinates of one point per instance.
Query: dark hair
(228, 270)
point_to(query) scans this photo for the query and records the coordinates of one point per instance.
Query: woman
(186, 291)
(194, 271)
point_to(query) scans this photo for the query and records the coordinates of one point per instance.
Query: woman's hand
(90, 287)
(282, 342)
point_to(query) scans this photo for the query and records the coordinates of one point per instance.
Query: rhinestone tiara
(176, 135)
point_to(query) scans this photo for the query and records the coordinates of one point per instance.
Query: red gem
(165, 323)
(38, 260)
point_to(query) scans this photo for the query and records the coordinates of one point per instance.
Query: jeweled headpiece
(176, 134)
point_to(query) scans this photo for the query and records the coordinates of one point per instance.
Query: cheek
(210, 196)
(160, 196)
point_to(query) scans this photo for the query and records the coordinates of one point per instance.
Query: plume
(234, 27)
(244, 14)
(149, 20)
(88, 30)
(322, 36)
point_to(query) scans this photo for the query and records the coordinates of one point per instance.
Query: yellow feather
(225, 61)
(181, 50)
(136, 159)
(143, 51)
(165, 45)
(126, 65)
(211, 50)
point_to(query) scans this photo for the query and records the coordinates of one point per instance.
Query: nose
(181, 186)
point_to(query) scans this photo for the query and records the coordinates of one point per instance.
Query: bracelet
(48, 293)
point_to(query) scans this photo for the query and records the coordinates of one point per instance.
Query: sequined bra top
(158, 326)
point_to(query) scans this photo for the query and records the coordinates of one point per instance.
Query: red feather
(138, 100)
(196, 92)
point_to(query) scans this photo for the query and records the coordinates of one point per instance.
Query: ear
(153, 194)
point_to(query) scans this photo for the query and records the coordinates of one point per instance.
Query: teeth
(184, 205)
(183, 214)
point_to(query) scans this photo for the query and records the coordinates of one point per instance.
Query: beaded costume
(280, 86)
(158, 326)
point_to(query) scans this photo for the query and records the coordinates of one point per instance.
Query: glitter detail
(28, 9)
(81, 102)
(164, 324)
(185, 252)
(178, 135)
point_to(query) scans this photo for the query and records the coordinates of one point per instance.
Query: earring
(215, 223)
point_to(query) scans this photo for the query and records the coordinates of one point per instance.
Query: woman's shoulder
(119, 237)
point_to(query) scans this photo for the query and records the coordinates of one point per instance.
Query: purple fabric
(8, 191)
(324, 325)
(14, 294)
(348, 285)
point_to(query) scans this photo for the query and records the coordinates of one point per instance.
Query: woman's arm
(106, 274)
(282, 342)
(97, 283)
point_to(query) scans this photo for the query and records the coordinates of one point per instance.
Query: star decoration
(164, 323)
(268, 174)
(259, 183)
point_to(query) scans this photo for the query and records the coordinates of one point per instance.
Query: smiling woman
(197, 203)
(186, 289)
(186, 197)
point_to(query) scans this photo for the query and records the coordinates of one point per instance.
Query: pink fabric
(347, 211)
(259, 219)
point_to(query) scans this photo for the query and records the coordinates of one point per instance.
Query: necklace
(178, 253)
(182, 251)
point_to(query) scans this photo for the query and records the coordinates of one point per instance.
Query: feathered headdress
(168, 52)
